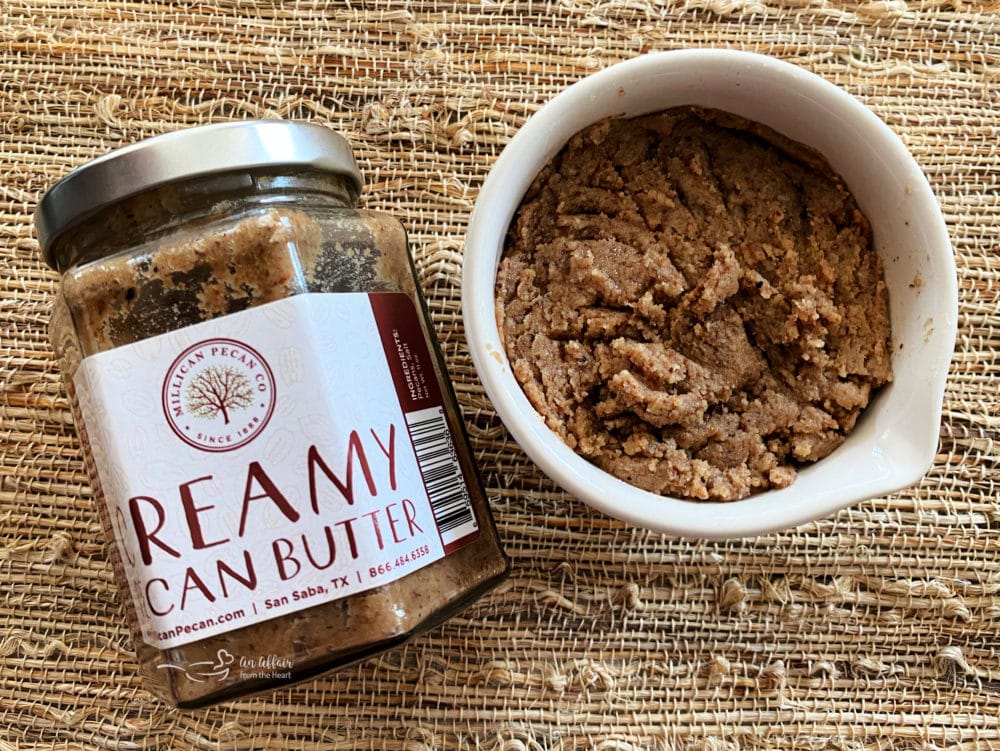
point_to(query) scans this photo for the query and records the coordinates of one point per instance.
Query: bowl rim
(773, 510)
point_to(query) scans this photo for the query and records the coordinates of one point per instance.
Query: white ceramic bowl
(895, 441)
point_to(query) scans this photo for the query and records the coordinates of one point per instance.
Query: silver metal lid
(184, 154)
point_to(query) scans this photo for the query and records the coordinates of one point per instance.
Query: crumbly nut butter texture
(210, 271)
(693, 303)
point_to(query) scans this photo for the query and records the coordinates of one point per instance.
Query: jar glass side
(241, 253)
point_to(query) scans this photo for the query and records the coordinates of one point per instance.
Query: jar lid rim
(197, 151)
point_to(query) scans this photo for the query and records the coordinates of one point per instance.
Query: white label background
(331, 378)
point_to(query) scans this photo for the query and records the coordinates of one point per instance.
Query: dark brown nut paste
(693, 303)
(274, 513)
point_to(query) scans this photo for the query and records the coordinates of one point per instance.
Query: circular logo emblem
(218, 394)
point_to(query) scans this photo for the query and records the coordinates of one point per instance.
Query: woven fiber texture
(877, 628)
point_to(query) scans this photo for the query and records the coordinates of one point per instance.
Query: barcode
(442, 474)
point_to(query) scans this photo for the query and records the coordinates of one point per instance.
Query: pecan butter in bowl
(711, 294)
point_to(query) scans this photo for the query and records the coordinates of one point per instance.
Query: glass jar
(271, 435)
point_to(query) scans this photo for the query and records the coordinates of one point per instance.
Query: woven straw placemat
(878, 628)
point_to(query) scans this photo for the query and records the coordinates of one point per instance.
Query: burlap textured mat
(878, 628)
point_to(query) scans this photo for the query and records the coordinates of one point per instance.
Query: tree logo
(218, 394)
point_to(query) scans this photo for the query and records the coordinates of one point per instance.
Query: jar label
(272, 460)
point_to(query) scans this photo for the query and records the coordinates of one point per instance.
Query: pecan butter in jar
(270, 432)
